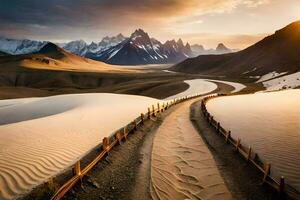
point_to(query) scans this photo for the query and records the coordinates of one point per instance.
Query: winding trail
(182, 166)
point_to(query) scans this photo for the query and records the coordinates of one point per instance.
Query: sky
(236, 23)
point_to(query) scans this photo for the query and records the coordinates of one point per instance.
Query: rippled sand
(270, 123)
(182, 167)
(39, 137)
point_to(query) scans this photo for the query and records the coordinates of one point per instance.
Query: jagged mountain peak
(93, 43)
(180, 42)
(171, 42)
(111, 40)
(120, 36)
(188, 45)
(139, 33)
(221, 47)
(76, 43)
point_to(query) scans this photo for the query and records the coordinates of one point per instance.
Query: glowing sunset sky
(237, 23)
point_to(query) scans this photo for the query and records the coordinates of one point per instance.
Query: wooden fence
(247, 153)
(115, 138)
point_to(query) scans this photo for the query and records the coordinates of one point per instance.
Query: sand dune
(182, 167)
(39, 137)
(270, 123)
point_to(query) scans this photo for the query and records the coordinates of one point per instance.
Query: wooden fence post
(149, 113)
(76, 168)
(135, 125)
(153, 111)
(249, 153)
(158, 108)
(125, 132)
(228, 136)
(238, 143)
(207, 115)
(118, 137)
(281, 185)
(105, 144)
(267, 171)
(142, 118)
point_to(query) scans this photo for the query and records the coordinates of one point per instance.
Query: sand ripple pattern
(182, 167)
(40, 137)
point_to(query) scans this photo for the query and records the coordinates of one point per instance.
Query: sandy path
(182, 167)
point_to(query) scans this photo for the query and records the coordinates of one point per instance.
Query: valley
(123, 116)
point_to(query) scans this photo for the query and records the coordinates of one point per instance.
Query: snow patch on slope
(114, 53)
(284, 82)
(247, 72)
(16, 47)
(269, 76)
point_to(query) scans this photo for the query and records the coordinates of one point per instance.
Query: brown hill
(52, 57)
(278, 52)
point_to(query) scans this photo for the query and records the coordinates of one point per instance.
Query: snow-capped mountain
(108, 42)
(141, 49)
(16, 46)
(78, 47)
(81, 48)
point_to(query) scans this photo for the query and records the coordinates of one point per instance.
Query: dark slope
(53, 51)
(3, 53)
(278, 52)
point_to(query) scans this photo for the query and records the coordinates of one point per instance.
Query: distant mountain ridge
(137, 49)
(278, 52)
(19, 46)
(81, 48)
(220, 49)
